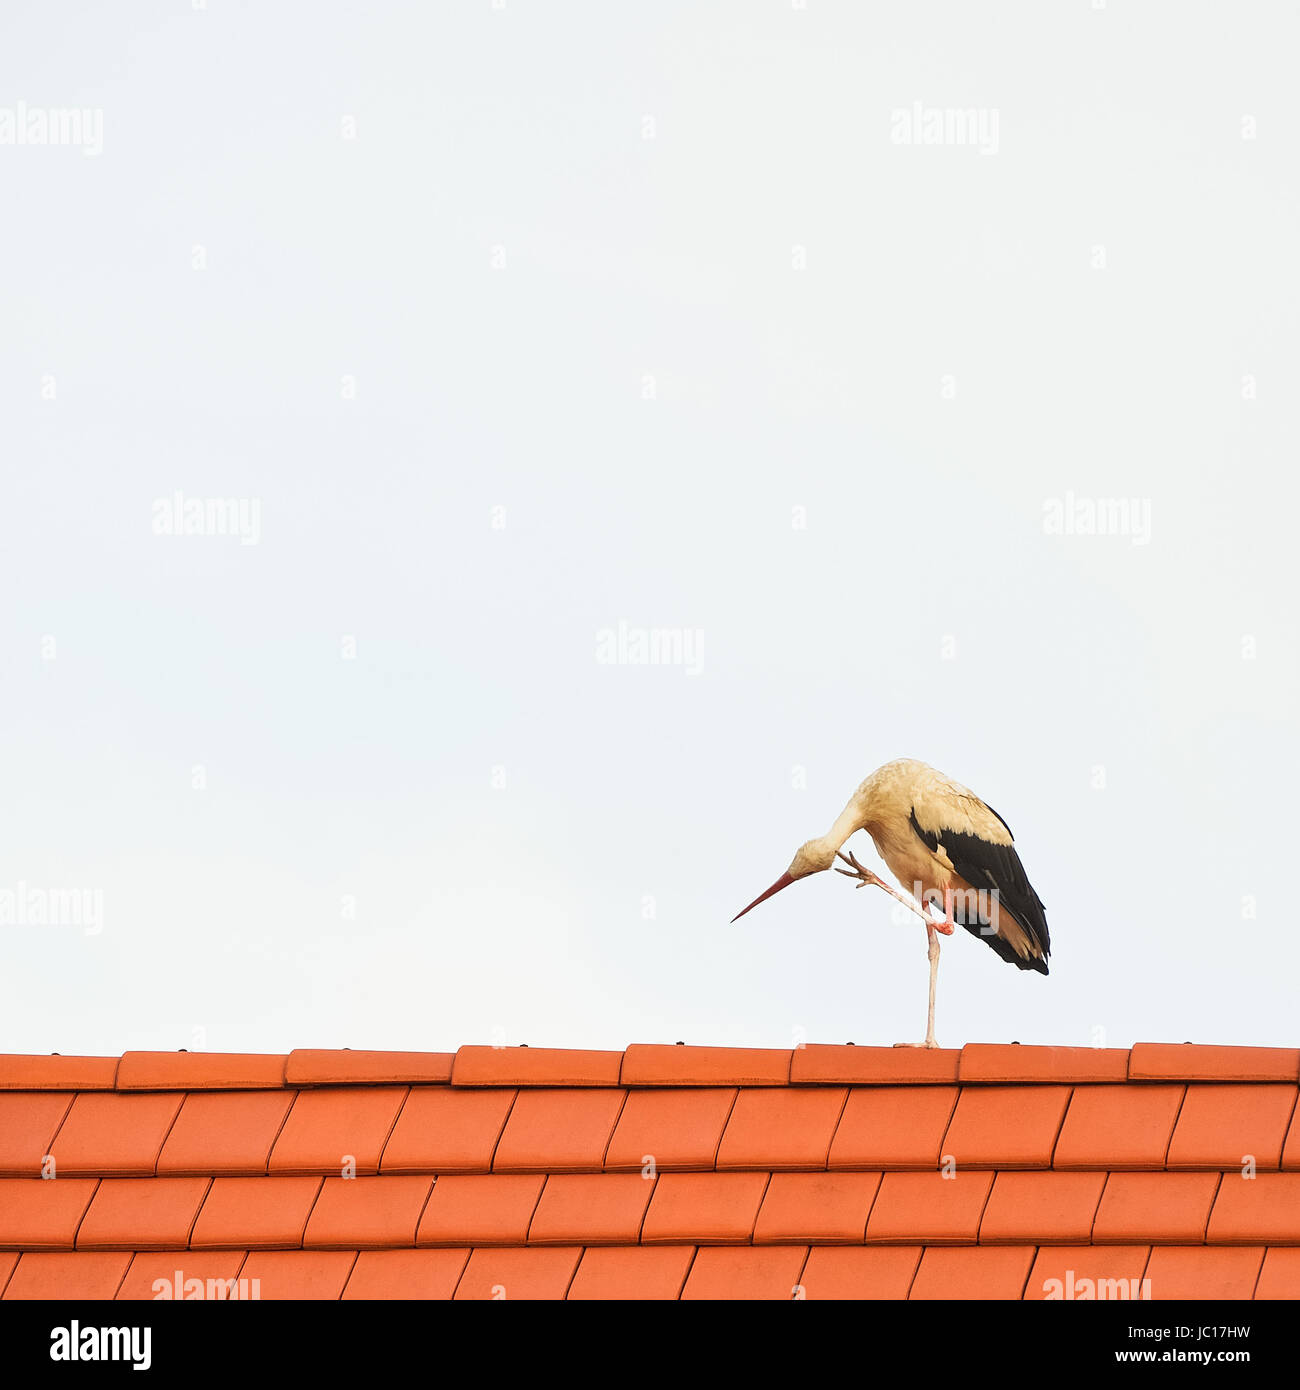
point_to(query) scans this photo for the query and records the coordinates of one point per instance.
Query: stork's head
(810, 858)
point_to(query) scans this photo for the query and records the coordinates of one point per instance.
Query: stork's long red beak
(783, 882)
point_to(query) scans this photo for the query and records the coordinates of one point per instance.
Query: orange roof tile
(1045, 1208)
(367, 1213)
(1161, 1208)
(29, 1120)
(1204, 1272)
(114, 1135)
(591, 1209)
(67, 1274)
(558, 1131)
(308, 1066)
(337, 1130)
(893, 1127)
(641, 1272)
(295, 1274)
(255, 1213)
(827, 1065)
(1074, 1272)
(224, 1133)
(781, 1127)
(768, 1272)
(870, 1271)
(659, 1172)
(1229, 1126)
(537, 1273)
(39, 1214)
(654, 1064)
(534, 1066)
(142, 1214)
(708, 1208)
(480, 1209)
(208, 1071)
(800, 1208)
(1006, 1126)
(443, 1129)
(982, 1272)
(406, 1274)
(1118, 1127)
(932, 1208)
(670, 1128)
(182, 1275)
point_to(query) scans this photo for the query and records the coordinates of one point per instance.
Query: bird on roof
(954, 852)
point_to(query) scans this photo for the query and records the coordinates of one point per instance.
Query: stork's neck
(852, 818)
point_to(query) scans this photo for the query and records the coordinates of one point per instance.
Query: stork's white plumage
(944, 844)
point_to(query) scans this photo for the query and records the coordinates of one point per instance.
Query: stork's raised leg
(932, 928)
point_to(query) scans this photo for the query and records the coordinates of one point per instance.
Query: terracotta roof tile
(67, 1275)
(704, 1208)
(824, 1064)
(826, 1208)
(43, 1214)
(1078, 1270)
(1204, 1272)
(55, 1073)
(639, 1272)
(541, 1272)
(311, 1066)
(1118, 1127)
(893, 1127)
(1006, 1126)
(384, 1275)
(29, 1120)
(445, 1129)
(209, 1071)
(673, 1128)
(1041, 1208)
(112, 1135)
(224, 1133)
(367, 1213)
(142, 1214)
(558, 1131)
(255, 1213)
(1280, 1275)
(844, 1272)
(1225, 1126)
(1159, 1208)
(981, 1272)
(781, 1127)
(183, 1274)
(591, 1209)
(1264, 1209)
(766, 1272)
(535, 1066)
(655, 1064)
(998, 1062)
(295, 1274)
(480, 1209)
(1198, 1062)
(329, 1130)
(929, 1208)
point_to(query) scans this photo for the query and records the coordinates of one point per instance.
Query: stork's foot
(929, 1042)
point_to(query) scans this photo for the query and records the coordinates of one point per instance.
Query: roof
(657, 1172)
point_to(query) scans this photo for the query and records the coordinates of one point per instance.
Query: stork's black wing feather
(985, 865)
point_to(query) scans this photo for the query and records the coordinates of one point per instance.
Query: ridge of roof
(648, 1065)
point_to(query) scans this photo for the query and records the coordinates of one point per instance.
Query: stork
(941, 839)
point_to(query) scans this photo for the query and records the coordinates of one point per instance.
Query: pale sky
(518, 333)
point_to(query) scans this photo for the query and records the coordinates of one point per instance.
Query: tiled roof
(995, 1171)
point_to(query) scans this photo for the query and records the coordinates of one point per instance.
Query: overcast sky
(482, 483)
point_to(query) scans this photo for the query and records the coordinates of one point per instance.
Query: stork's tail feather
(1005, 950)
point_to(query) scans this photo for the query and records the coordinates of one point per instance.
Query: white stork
(941, 839)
